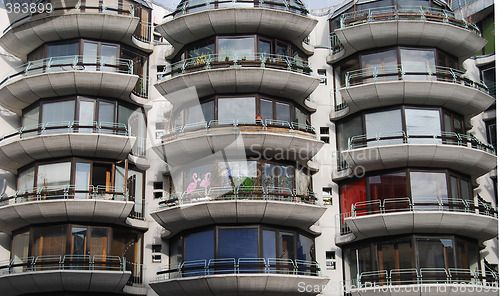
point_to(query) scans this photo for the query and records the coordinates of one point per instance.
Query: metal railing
(60, 8)
(255, 60)
(141, 88)
(335, 44)
(282, 5)
(63, 262)
(138, 210)
(267, 125)
(411, 72)
(58, 127)
(137, 277)
(414, 276)
(143, 32)
(239, 193)
(390, 13)
(414, 137)
(73, 62)
(239, 266)
(139, 148)
(406, 204)
(42, 193)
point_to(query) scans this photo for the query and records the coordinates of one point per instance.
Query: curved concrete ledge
(16, 152)
(22, 91)
(283, 142)
(480, 227)
(140, 162)
(192, 27)
(63, 280)
(458, 41)
(470, 161)
(456, 289)
(239, 284)
(457, 97)
(178, 218)
(273, 82)
(27, 36)
(336, 115)
(144, 46)
(19, 215)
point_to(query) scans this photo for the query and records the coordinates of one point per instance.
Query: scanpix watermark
(377, 288)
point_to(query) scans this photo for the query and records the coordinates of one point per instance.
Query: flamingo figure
(206, 182)
(192, 186)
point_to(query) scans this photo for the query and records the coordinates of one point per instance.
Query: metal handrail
(238, 193)
(208, 125)
(205, 267)
(411, 276)
(281, 5)
(400, 72)
(63, 262)
(390, 13)
(69, 127)
(402, 137)
(253, 60)
(64, 192)
(70, 63)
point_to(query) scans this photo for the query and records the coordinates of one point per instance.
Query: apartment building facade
(248, 147)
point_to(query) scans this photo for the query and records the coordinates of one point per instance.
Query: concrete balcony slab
(293, 214)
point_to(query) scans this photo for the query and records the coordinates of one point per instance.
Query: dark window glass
(238, 243)
(99, 241)
(199, 246)
(387, 188)
(78, 241)
(265, 47)
(49, 241)
(269, 244)
(351, 194)
(348, 129)
(208, 110)
(435, 253)
(305, 248)
(266, 109)
(203, 50)
(286, 245)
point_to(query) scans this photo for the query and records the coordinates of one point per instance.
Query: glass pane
(90, 56)
(54, 174)
(268, 179)
(199, 246)
(352, 193)
(78, 241)
(346, 130)
(385, 256)
(58, 116)
(86, 116)
(266, 110)
(284, 175)
(240, 48)
(283, 112)
(264, 47)
(281, 49)
(380, 66)
(30, 121)
(435, 253)
(240, 109)
(26, 179)
(106, 117)
(428, 188)
(465, 189)
(387, 125)
(82, 179)
(300, 117)
(305, 248)
(454, 187)
(243, 173)
(62, 56)
(419, 62)
(269, 244)
(99, 241)
(194, 114)
(422, 126)
(20, 245)
(389, 189)
(208, 110)
(286, 246)
(49, 240)
(238, 243)
(108, 56)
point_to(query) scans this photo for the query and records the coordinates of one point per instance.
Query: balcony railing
(414, 276)
(217, 61)
(139, 148)
(60, 8)
(70, 127)
(143, 32)
(73, 62)
(335, 44)
(390, 13)
(266, 125)
(239, 266)
(239, 193)
(42, 193)
(282, 5)
(411, 72)
(63, 262)
(414, 137)
(406, 204)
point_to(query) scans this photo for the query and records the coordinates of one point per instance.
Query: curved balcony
(239, 276)
(393, 216)
(463, 153)
(420, 26)
(409, 84)
(424, 281)
(269, 138)
(190, 23)
(54, 273)
(66, 138)
(243, 204)
(67, 21)
(67, 75)
(274, 75)
(51, 204)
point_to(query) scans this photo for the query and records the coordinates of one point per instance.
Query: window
(322, 76)
(158, 189)
(238, 243)
(156, 253)
(236, 48)
(423, 122)
(330, 260)
(383, 124)
(325, 134)
(427, 187)
(54, 174)
(232, 109)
